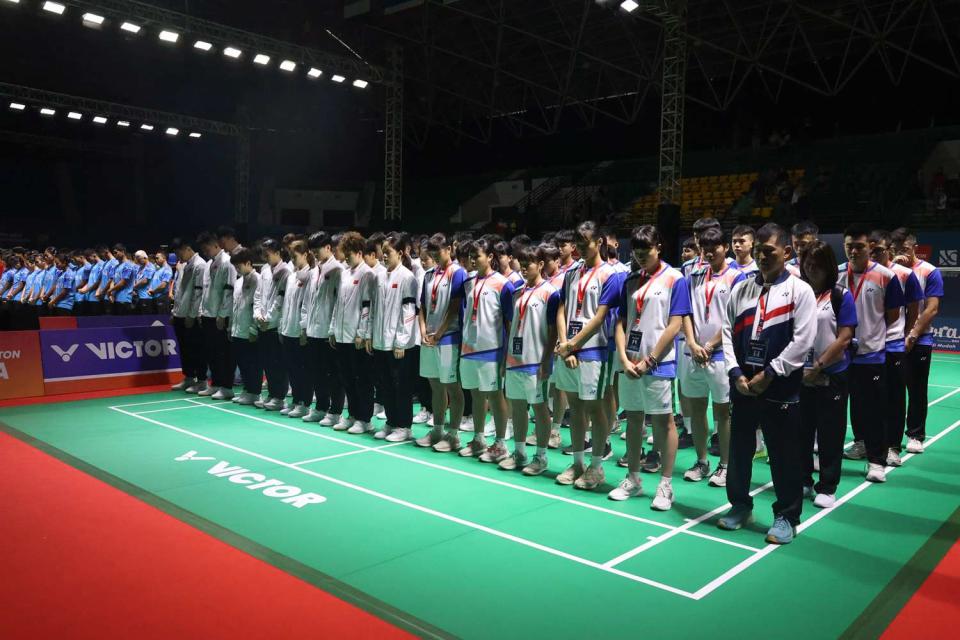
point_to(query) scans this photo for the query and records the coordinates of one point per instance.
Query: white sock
(688, 424)
(542, 452)
(578, 458)
(704, 461)
(555, 426)
(634, 477)
(521, 448)
(596, 461)
(666, 480)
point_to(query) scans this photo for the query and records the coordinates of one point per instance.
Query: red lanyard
(708, 290)
(523, 305)
(477, 290)
(856, 291)
(823, 296)
(582, 287)
(436, 286)
(759, 318)
(641, 299)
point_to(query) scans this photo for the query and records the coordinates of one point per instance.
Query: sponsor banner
(97, 322)
(946, 326)
(86, 354)
(939, 248)
(21, 375)
(53, 323)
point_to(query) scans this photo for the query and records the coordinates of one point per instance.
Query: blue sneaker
(782, 532)
(736, 518)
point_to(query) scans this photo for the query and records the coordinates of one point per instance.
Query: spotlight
(337, 78)
(14, 1)
(54, 7)
(194, 135)
(93, 18)
(360, 84)
(203, 46)
(232, 52)
(123, 123)
(147, 127)
(288, 65)
(99, 120)
(173, 131)
(262, 59)
(16, 106)
(169, 36)
(629, 5)
(129, 27)
(74, 115)
(47, 112)
(314, 72)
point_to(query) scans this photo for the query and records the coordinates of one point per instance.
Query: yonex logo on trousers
(271, 488)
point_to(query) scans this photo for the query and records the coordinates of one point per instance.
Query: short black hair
(880, 235)
(743, 230)
(704, 223)
(528, 254)
(857, 230)
(547, 251)
(901, 235)
(772, 230)
(712, 236)
(223, 231)
(117, 248)
(804, 228)
(241, 257)
(205, 238)
(437, 242)
(373, 245)
(645, 236)
(562, 236)
(690, 243)
(319, 240)
(175, 245)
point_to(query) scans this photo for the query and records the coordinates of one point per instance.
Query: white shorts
(589, 380)
(703, 382)
(557, 363)
(440, 362)
(480, 375)
(613, 366)
(526, 386)
(649, 394)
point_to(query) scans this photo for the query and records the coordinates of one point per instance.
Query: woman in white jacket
(267, 305)
(389, 332)
(293, 339)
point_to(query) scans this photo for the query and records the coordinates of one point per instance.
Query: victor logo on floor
(271, 488)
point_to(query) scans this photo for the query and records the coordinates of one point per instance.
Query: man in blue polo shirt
(91, 303)
(106, 279)
(143, 300)
(124, 279)
(158, 291)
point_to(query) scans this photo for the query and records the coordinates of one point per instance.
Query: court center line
(745, 564)
(193, 406)
(420, 508)
(346, 453)
(140, 404)
(467, 474)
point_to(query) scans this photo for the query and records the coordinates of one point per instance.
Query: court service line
(140, 404)
(943, 397)
(501, 483)
(417, 507)
(192, 406)
(347, 453)
(745, 564)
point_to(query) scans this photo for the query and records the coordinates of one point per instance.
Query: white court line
(422, 509)
(943, 397)
(942, 386)
(347, 453)
(467, 474)
(138, 404)
(744, 565)
(193, 406)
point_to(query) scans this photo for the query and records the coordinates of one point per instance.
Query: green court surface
(447, 546)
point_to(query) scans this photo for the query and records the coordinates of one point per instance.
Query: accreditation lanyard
(582, 287)
(477, 291)
(710, 287)
(524, 303)
(863, 278)
(642, 297)
(436, 287)
(759, 318)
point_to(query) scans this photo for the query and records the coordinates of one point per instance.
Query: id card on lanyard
(757, 349)
(522, 305)
(435, 288)
(635, 338)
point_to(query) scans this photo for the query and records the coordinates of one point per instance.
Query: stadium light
(93, 18)
(314, 72)
(47, 112)
(232, 52)
(202, 45)
(75, 115)
(288, 65)
(360, 84)
(146, 127)
(173, 131)
(17, 106)
(99, 120)
(129, 27)
(262, 59)
(194, 135)
(54, 7)
(337, 78)
(169, 36)
(14, 1)
(629, 6)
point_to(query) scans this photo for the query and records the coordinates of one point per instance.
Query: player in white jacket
(267, 305)
(293, 339)
(243, 330)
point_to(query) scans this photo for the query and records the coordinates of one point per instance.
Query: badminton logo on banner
(108, 358)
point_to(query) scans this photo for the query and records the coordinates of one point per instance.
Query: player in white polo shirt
(530, 343)
(878, 297)
(741, 241)
(653, 303)
(703, 374)
(440, 351)
(588, 294)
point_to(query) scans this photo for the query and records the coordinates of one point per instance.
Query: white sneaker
(235, 399)
(196, 387)
(489, 429)
(466, 424)
(423, 417)
(246, 399)
(719, 477)
(383, 432)
(273, 404)
(286, 409)
(222, 394)
(208, 391)
(299, 411)
(344, 424)
(329, 420)
(377, 410)
(313, 416)
(825, 500)
(360, 427)
(626, 489)
(184, 384)
(259, 402)
(914, 445)
(649, 437)
(893, 458)
(875, 473)
(399, 435)
(663, 501)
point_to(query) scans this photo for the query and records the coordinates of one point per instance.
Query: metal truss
(530, 66)
(393, 139)
(241, 204)
(673, 101)
(89, 106)
(145, 14)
